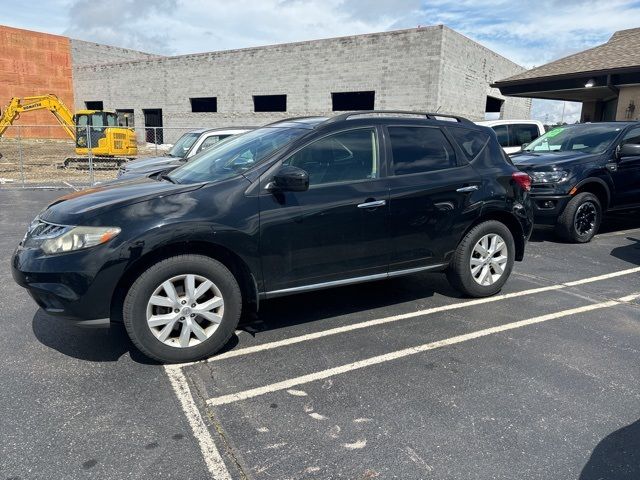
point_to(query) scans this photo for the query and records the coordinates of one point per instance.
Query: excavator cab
(91, 126)
(98, 131)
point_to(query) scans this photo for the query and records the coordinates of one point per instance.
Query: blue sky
(529, 33)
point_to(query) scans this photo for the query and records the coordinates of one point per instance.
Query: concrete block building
(427, 68)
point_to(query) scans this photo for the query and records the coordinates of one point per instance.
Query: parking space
(394, 379)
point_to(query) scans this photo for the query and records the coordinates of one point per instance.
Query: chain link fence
(43, 156)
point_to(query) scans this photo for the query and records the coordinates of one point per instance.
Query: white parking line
(312, 377)
(395, 318)
(210, 453)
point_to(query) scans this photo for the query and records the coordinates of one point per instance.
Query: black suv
(580, 171)
(299, 205)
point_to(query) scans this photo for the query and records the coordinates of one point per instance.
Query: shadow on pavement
(109, 344)
(628, 253)
(617, 457)
(612, 222)
(341, 301)
(91, 344)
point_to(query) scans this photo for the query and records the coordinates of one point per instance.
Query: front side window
(341, 157)
(632, 136)
(420, 150)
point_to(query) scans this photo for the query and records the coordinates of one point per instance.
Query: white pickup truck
(512, 134)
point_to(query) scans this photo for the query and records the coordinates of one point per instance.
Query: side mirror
(523, 146)
(290, 179)
(628, 150)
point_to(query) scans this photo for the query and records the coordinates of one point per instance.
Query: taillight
(522, 179)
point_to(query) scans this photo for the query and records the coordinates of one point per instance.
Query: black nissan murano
(298, 205)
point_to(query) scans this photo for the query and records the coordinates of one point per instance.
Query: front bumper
(71, 285)
(547, 208)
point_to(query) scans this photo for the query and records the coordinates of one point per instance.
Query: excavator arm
(42, 102)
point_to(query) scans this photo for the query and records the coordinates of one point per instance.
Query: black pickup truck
(580, 171)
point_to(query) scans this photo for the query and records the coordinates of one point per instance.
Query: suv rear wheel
(581, 218)
(483, 260)
(182, 309)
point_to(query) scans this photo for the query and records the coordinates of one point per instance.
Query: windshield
(183, 144)
(586, 138)
(235, 155)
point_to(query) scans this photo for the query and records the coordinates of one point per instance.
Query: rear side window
(503, 135)
(519, 134)
(419, 150)
(471, 141)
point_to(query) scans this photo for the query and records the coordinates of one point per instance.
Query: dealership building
(427, 68)
(606, 79)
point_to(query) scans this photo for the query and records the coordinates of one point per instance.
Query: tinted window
(344, 156)
(471, 141)
(236, 155)
(503, 135)
(420, 149)
(521, 134)
(632, 136)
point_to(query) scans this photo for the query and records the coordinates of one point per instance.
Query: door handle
(373, 204)
(470, 188)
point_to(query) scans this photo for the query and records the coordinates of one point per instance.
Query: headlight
(79, 237)
(556, 176)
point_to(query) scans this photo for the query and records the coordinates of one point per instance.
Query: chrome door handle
(374, 204)
(470, 188)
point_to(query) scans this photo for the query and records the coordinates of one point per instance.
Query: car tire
(581, 218)
(182, 309)
(476, 273)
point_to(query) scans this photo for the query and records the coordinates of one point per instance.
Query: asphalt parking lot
(396, 379)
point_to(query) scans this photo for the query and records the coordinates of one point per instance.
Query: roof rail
(429, 115)
(293, 119)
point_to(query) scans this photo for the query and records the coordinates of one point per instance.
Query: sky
(527, 32)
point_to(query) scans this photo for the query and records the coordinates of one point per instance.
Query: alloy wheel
(489, 259)
(185, 310)
(585, 218)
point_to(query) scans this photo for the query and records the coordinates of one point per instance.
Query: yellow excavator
(110, 144)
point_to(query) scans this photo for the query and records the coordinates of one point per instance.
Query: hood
(149, 162)
(77, 207)
(547, 160)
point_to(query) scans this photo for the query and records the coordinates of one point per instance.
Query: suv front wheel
(483, 260)
(581, 218)
(182, 309)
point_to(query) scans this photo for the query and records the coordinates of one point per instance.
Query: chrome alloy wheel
(584, 220)
(185, 310)
(488, 259)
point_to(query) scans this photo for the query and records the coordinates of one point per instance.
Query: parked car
(513, 134)
(186, 147)
(581, 171)
(299, 205)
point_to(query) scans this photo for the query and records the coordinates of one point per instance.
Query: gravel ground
(38, 162)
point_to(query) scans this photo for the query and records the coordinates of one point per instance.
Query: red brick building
(34, 63)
